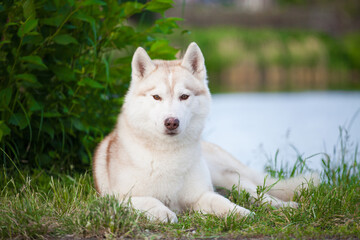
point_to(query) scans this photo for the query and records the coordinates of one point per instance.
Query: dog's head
(168, 99)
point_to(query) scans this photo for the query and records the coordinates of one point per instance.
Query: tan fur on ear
(194, 61)
(141, 64)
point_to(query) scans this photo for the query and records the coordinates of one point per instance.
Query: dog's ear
(194, 61)
(141, 64)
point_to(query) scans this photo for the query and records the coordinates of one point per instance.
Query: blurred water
(252, 126)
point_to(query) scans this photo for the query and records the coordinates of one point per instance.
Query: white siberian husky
(155, 158)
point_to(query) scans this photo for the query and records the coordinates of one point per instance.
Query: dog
(155, 158)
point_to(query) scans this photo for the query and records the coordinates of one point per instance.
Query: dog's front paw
(291, 204)
(281, 204)
(161, 213)
(244, 212)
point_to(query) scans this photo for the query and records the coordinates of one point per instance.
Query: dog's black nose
(172, 123)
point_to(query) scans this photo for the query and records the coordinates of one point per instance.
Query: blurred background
(289, 65)
(274, 45)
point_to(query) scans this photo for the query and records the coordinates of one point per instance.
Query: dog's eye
(184, 97)
(157, 97)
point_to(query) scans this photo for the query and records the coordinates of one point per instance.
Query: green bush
(64, 69)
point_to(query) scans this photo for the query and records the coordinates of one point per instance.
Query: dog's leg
(153, 209)
(233, 179)
(213, 203)
(226, 172)
(251, 188)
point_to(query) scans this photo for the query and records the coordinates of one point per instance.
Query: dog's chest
(166, 187)
(164, 176)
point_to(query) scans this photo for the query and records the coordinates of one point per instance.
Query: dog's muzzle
(171, 125)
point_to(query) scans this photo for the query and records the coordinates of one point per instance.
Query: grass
(40, 204)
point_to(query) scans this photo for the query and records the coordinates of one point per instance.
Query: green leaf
(130, 8)
(80, 15)
(169, 20)
(34, 105)
(27, 27)
(79, 125)
(183, 32)
(91, 2)
(4, 130)
(19, 119)
(52, 114)
(161, 49)
(90, 83)
(163, 1)
(26, 77)
(29, 9)
(48, 129)
(166, 25)
(159, 6)
(33, 38)
(65, 39)
(29, 80)
(4, 42)
(63, 73)
(44, 159)
(54, 21)
(10, 24)
(5, 96)
(84, 158)
(34, 60)
(71, 2)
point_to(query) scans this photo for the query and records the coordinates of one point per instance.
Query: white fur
(161, 174)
